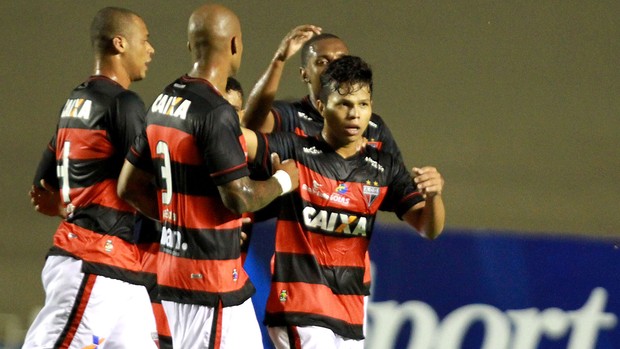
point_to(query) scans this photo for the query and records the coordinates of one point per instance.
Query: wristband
(284, 180)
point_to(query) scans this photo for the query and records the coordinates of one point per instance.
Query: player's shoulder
(376, 121)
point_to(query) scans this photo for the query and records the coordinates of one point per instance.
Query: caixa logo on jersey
(518, 328)
(335, 222)
(172, 242)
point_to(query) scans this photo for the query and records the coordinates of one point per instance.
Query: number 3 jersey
(192, 144)
(324, 228)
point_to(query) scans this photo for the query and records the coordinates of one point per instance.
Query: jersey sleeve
(284, 116)
(47, 166)
(219, 138)
(384, 135)
(402, 193)
(139, 153)
(281, 143)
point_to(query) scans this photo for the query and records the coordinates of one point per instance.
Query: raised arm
(257, 115)
(428, 217)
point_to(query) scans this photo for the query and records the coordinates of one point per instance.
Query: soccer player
(193, 147)
(92, 275)
(318, 49)
(234, 94)
(317, 297)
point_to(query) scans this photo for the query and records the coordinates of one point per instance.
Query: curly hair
(343, 75)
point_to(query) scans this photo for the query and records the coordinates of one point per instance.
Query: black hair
(343, 74)
(234, 85)
(107, 23)
(305, 49)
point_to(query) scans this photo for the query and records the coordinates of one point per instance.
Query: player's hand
(428, 181)
(295, 39)
(289, 166)
(245, 222)
(46, 200)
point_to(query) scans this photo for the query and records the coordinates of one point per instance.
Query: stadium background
(515, 102)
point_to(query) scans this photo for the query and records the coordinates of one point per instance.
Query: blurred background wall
(516, 103)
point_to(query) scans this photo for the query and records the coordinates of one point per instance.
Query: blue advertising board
(480, 289)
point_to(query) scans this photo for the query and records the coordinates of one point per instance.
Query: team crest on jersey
(235, 274)
(283, 296)
(109, 246)
(371, 192)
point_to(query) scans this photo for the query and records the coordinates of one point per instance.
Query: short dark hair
(107, 23)
(342, 74)
(234, 85)
(305, 49)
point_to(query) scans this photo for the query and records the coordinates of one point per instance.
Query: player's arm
(44, 192)
(258, 115)
(247, 195)
(427, 217)
(135, 186)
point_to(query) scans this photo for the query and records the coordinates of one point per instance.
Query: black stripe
(187, 179)
(165, 342)
(209, 299)
(216, 317)
(201, 244)
(104, 220)
(132, 277)
(86, 173)
(74, 310)
(291, 267)
(339, 327)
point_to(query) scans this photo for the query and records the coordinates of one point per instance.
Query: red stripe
(182, 145)
(290, 238)
(85, 144)
(77, 318)
(163, 329)
(98, 248)
(218, 328)
(316, 299)
(294, 337)
(217, 276)
(199, 212)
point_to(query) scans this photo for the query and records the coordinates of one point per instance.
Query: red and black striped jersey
(302, 118)
(192, 144)
(97, 125)
(324, 228)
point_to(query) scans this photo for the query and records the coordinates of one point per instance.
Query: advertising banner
(480, 289)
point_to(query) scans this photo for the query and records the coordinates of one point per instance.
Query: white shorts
(310, 337)
(90, 311)
(196, 326)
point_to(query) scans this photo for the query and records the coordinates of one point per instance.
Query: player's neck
(214, 74)
(345, 149)
(113, 70)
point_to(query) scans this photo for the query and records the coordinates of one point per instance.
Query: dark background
(516, 103)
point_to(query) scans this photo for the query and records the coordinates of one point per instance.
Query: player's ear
(320, 106)
(304, 75)
(233, 45)
(119, 44)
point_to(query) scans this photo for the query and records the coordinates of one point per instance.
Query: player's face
(320, 55)
(139, 50)
(347, 115)
(235, 99)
